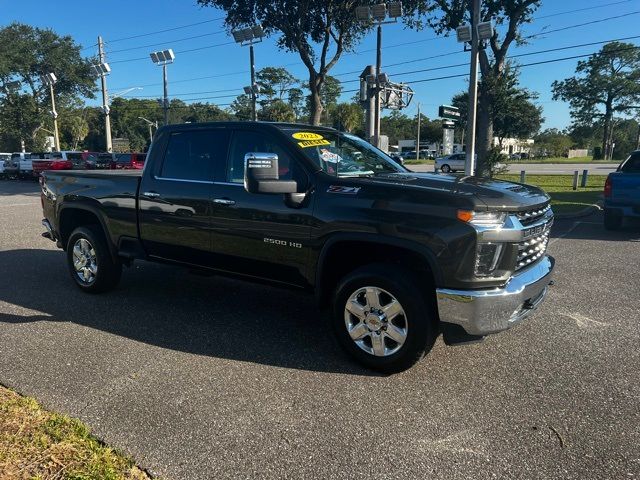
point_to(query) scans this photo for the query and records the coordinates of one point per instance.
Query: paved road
(206, 378)
(545, 168)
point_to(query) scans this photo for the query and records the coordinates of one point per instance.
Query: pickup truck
(622, 193)
(396, 257)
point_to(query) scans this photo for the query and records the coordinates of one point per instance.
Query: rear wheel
(89, 260)
(382, 319)
(445, 168)
(612, 221)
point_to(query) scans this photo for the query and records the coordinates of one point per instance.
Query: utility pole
(367, 100)
(418, 136)
(376, 118)
(105, 98)
(165, 102)
(254, 113)
(469, 168)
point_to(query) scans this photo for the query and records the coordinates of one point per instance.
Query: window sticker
(307, 136)
(313, 143)
(329, 156)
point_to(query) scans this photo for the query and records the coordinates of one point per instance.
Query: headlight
(487, 258)
(482, 219)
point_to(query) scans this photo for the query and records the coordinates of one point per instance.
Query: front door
(257, 234)
(175, 198)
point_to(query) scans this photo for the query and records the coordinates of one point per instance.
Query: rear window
(632, 164)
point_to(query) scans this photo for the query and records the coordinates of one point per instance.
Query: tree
(552, 143)
(277, 111)
(275, 82)
(512, 112)
(508, 15)
(310, 28)
(607, 83)
(241, 107)
(347, 116)
(26, 53)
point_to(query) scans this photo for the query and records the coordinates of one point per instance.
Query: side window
(244, 142)
(632, 165)
(190, 155)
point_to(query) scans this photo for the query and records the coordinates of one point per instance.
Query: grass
(418, 162)
(560, 187)
(37, 444)
(562, 160)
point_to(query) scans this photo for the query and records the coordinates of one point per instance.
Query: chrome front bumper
(482, 312)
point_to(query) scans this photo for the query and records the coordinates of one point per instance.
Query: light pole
(378, 13)
(150, 124)
(164, 58)
(474, 34)
(50, 79)
(102, 70)
(250, 36)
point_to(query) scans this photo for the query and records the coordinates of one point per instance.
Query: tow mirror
(261, 174)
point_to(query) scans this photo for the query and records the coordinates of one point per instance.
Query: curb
(585, 212)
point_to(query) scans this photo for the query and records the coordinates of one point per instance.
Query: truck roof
(258, 124)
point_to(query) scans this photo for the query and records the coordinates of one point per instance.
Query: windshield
(342, 154)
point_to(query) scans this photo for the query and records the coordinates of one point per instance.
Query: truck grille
(532, 216)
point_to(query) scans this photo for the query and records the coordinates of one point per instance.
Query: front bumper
(482, 312)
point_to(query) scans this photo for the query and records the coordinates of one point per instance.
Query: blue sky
(229, 64)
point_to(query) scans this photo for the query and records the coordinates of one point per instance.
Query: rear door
(255, 234)
(175, 195)
(625, 189)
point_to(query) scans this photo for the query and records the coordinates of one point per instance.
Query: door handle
(151, 194)
(224, 201)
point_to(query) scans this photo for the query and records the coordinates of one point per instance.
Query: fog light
(487, 258)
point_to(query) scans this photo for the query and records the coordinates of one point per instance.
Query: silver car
(451, 163)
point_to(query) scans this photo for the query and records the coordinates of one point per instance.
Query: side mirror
(261, 174)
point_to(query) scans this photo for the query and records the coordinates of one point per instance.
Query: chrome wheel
(376, 321)
(85, 261)
(446, 168)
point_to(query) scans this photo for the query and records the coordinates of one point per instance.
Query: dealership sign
(449, 112)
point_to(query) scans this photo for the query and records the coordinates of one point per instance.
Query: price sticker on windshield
(307, 136)
(313, 143)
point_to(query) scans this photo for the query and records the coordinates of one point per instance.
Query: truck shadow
(592, 228)
(170, 308)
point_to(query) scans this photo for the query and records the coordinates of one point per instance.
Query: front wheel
(382, 319)
(89, 260)
(445, 168)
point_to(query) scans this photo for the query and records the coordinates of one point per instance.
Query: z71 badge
(343, 190)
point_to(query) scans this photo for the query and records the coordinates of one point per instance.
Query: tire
(445, 168)
(414, 322)
(96, 271)
(612, 221)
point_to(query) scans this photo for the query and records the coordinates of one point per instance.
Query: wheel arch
(344, 253)
(73, 216)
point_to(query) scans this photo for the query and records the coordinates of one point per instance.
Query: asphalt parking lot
(203, 377)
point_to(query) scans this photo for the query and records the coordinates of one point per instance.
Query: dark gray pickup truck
(397, 257)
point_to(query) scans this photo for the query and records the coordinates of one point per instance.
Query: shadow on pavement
(170, 308)
(28, 187)
(592, 228)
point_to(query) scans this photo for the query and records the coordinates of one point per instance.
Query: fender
(84, 204)
(421, 250)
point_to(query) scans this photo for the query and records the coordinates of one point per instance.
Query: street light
(378, 14)
(164, 58)
(151, 124)
(476, 34)
(49, 79)
(250, 36)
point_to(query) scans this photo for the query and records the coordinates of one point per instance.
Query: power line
(181, 52)
(122, 39)
(583, 9)
(139, 47)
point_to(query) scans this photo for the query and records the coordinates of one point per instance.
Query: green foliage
(347, 116)
(275, 82)
(606, 84)
(310, 28)
(277, 111)
(552, 143)
(26, 53)
(398, 126)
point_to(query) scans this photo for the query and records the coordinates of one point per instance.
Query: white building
(514, 145)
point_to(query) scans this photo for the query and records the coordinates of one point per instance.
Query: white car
(451, 163)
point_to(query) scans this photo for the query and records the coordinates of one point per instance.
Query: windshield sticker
(329, 156)
(313, 143)
(343, 190)
(307, 136)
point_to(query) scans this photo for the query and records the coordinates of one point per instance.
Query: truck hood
(495, 194)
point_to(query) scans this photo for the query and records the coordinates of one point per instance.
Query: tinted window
(191, 155)
(123, 158)
(246, 142)
(632, 165)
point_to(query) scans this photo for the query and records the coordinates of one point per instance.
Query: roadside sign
(449, 112)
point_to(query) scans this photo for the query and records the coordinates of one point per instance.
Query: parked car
(397, 257)
(80, 160)
(4, 158)
(105, 161)
(622, 193)
(130, 161)
(50, 161)
(451, 163)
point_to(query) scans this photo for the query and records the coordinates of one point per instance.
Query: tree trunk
(484, 137)
(315, 104)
